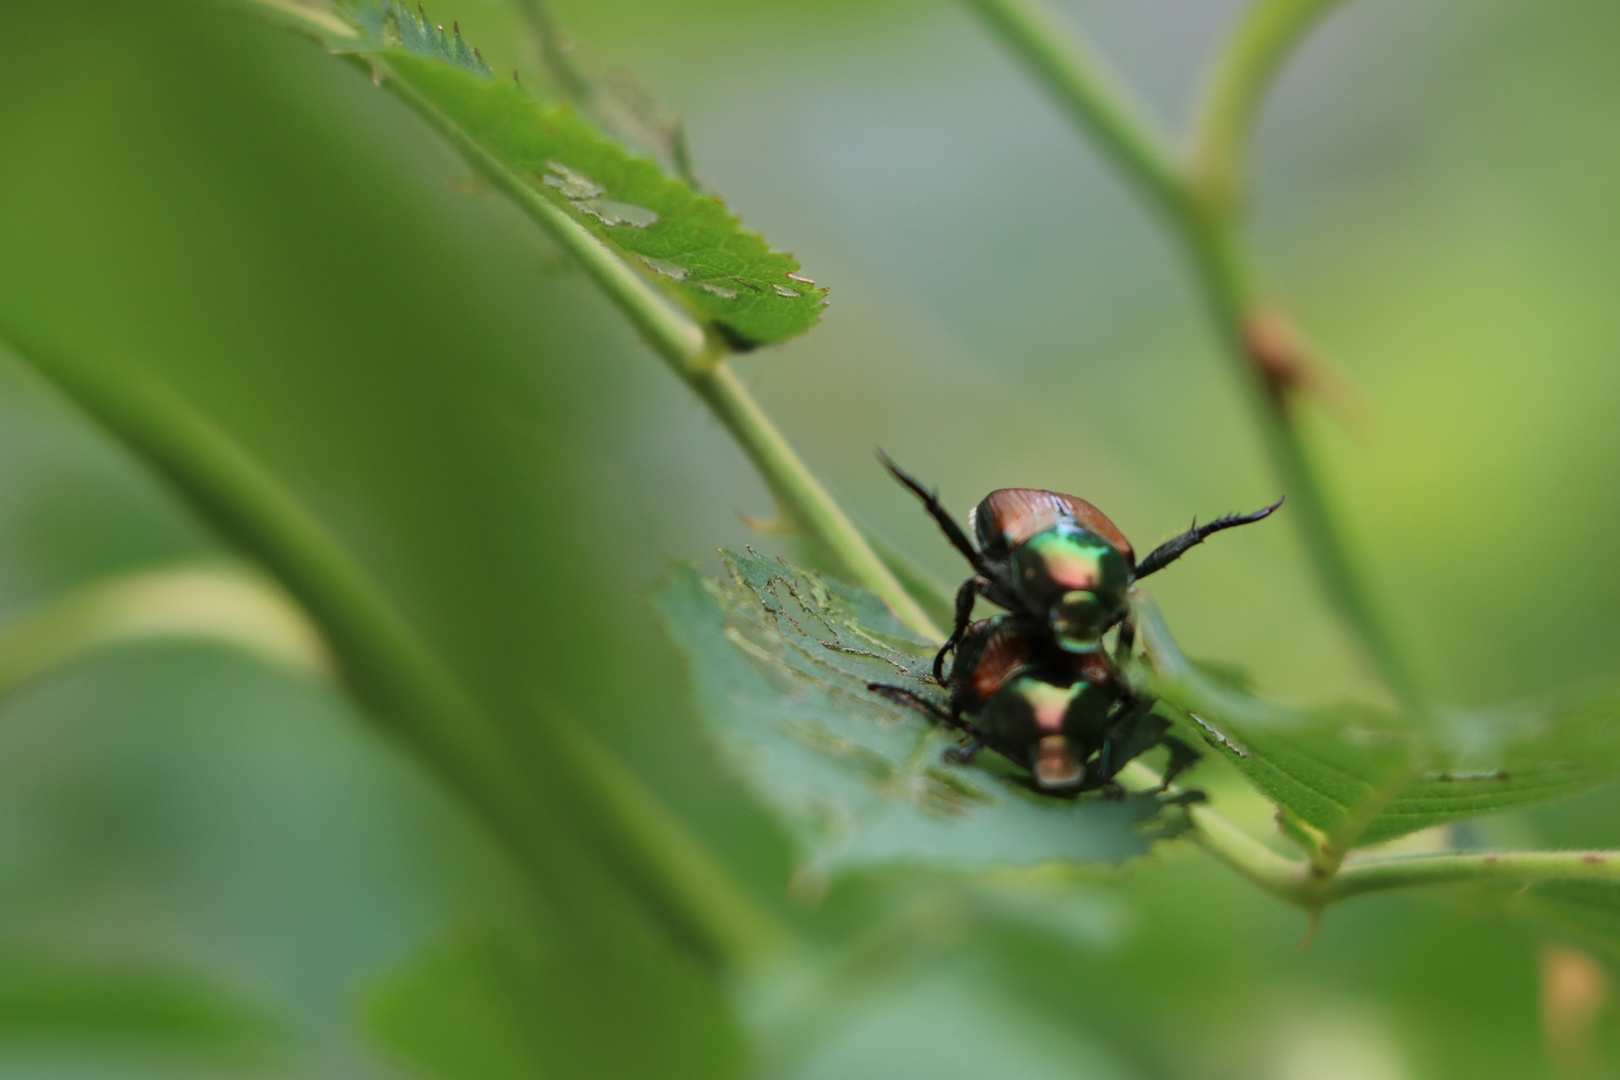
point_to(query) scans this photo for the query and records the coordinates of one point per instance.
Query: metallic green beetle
(1054, 559)
(1069, 718)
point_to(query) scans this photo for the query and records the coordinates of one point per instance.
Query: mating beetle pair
(1036, 682)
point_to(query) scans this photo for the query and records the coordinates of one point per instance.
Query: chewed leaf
(1532, 752)
(1336, 769)
(687, 243)
(392, 25)
(1361, 776)
(781, 660)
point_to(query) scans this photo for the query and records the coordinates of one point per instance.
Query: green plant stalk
(1263, 40)
(697, 356)
(662, 852)
(1221, 266)
(1372, 875)
(1313, 888)
(553, 51)
(223, 605)
(1091, 100)
(796, 488)
(1227, 281)
(403, 685)
(1310, 888)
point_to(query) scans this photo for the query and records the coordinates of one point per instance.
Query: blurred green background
(205, 866)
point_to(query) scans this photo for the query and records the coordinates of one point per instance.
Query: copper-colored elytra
(1019, 513)
(1006, 653)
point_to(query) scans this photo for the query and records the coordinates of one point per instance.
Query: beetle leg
(961, 755)
(965, 596)
(901, 696)
(1182, 758)
(1126, 643)
(1174, 548)
(930, 500)
(995, 589)
(1136, 731)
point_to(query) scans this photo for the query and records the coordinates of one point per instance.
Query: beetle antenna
(1171, 550)
(930, 500)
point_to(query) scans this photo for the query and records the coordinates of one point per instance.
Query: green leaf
(365, 424)
(1359, 775)
(221, 604)
(781, 660)
(49, 1001)
(496, 1003)
(1584, 911)
(684, 242)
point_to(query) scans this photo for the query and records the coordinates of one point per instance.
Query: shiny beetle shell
(1007, 517)
(1048, 710)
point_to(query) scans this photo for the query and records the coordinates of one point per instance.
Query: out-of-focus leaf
(781, 660)
(495, 1003)
(1361, 776)
(1547, 748)
(220, 604)
(686, 242)
(48, 1001)
(947, 1024)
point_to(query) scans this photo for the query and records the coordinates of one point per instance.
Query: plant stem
(224, 605)
(403, 685)
(801, 494)
(554, 51)
(1297, 882)
(1220, 263)
(686, 345)
(697, 356)
(1254, 53)
(1371, 875)
(1093, 101)
(1225, 277)
(691, 348)
(661, 855)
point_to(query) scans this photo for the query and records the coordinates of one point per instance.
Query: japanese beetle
(1054, 559)
(1067, 717)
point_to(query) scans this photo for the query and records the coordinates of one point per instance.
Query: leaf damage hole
(1469, 777)
(1217, 738)
(584, 195)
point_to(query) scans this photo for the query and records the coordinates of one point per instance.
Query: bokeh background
(206, 866)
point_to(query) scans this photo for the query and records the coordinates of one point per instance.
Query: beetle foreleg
(930, 500)
(1174, 548)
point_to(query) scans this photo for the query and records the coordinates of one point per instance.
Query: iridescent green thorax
(1077, 578)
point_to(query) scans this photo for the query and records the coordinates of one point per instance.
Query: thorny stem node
(1199, 204)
